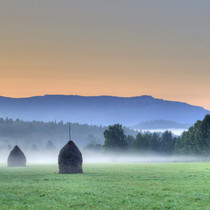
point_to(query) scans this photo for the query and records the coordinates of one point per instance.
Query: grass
(107, 186)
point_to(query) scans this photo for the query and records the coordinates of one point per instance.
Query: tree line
(38, 133)
(113, 138)
(194, 141)
(116, 140)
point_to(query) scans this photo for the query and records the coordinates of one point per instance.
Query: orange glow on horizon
(78, 48)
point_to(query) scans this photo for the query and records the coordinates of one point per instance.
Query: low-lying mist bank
(140, 158)
(47, 157)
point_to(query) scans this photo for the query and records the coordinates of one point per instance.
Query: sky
(106, 47)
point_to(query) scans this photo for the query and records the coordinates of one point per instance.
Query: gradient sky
(106, 47)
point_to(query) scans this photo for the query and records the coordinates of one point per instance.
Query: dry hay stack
(16, 158)
(70, 159)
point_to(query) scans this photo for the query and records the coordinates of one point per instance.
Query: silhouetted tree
(50, 146)
(196, 140)
(115, 138)
(167, 142)
(130, 141)
(142, 142)
(34, 148)
(155, 142)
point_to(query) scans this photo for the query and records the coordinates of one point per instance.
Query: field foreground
(107, 186)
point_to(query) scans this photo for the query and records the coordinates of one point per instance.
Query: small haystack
(16, 158)
(70, 159)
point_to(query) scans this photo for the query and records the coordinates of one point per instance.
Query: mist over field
(41, 142)
(51, 157)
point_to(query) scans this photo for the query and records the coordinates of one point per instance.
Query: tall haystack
(70, 159)
(16, 158)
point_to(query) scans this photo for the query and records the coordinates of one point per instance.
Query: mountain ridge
(99, 110)
(99, 96)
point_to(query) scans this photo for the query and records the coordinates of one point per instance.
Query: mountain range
(99, 110)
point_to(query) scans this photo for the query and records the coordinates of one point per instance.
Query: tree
(155, 142)
(50, 146)
(34, 148)
(167, 142)
(130, 141)
(94, 146)
(115, 138)
(205, 131)
(196, 140)
(140, 142)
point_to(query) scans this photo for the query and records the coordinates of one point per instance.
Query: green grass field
(107, 186)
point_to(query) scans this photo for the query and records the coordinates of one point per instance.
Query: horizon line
(144, 95)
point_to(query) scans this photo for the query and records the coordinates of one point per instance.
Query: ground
(107, 186)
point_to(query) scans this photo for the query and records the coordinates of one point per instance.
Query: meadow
(107, 186)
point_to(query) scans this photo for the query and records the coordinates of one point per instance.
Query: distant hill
(162, 124)
(99, 110)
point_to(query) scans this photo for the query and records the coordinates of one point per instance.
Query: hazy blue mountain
(100, 110)
(162, 124)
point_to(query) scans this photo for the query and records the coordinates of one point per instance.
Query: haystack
(16, 158)
(70, 159)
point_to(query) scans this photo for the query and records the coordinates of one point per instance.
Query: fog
(139, 158)
(175, 131)
(51, 157)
